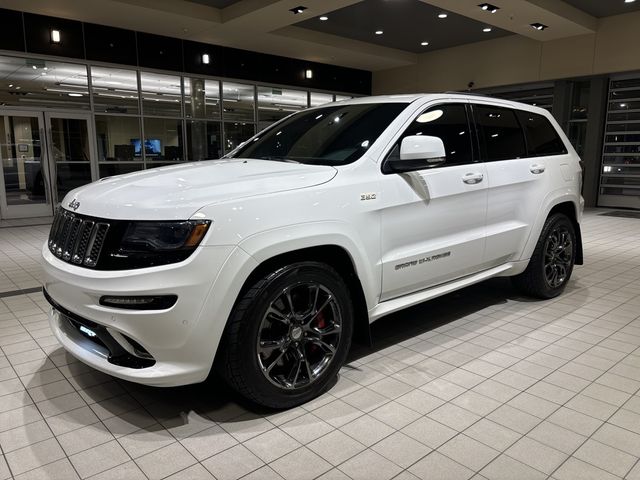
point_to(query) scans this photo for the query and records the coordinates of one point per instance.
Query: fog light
(87, 332)
(145, 302)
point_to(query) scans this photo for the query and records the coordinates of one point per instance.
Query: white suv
(263, 265)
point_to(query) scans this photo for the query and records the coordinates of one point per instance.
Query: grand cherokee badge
(74, 204)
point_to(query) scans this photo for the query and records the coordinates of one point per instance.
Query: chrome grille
(76, 239)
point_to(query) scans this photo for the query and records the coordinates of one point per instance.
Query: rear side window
(501, 136)
(542, 138)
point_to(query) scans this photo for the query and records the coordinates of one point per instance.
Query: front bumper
(180, 341)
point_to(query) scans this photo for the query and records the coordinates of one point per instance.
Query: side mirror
(418, 152)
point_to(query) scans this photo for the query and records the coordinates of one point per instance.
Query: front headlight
(148, 243)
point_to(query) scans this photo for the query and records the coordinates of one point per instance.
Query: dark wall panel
(109, 44)
(119, 46)
(11, 33)
(38, 35)
(193, 58)
(156, 51)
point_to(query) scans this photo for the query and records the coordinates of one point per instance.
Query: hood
(177, 192)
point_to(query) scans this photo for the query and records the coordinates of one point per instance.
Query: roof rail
(474, 94)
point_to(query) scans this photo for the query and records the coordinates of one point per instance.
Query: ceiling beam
(516, 16)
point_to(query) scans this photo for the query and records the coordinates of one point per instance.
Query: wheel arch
(570, 210)
(338, 258)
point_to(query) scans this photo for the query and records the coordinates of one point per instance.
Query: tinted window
(542, 138)
(450, 124)
(334, 135)
(500, 133)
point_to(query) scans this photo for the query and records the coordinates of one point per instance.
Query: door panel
(433, 222)
(433, 228)
(519, 148)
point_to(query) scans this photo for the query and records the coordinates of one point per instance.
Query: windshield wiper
(277, 159)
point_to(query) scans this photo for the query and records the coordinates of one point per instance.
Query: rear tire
(288, 335)
(552, 262)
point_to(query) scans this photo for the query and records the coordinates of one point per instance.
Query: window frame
(518, 112)
(481, 150)
(473, 140)
(482, 147)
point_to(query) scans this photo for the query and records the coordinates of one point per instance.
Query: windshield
(334, 135)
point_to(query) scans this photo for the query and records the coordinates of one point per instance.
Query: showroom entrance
(43, 155)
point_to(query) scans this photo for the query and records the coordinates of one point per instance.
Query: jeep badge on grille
(74, 204)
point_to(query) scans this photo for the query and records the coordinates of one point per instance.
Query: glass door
(71, 147)
(42, 157)
(25, 188)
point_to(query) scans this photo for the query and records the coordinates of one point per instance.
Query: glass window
(117, 140)
(235, 133)
(332, 135)
(542, 138)
(201, 98)
(161, 94)
(21, 151)
(276, 103)
(500, 133)
(450, 124)
(43, 83)
(204, 141)
(114, 90)
(318, 99)
(238, 102)
(162, 141)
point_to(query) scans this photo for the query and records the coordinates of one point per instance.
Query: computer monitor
(152, 147)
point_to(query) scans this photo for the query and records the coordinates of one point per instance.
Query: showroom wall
(516, 59)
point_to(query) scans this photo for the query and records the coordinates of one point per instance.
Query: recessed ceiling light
(298, 10)
(539, 26)
(424, 44)
(487, 29)
(205, 58)
(324, 18)
(629, 1)
(379, 32)
(443, 15)
(487, 7)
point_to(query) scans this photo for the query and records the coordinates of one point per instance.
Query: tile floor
(479, 384)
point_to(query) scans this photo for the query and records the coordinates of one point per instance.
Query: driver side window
(450, 123)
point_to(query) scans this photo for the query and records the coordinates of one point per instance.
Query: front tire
(288, 335)
(552, 262)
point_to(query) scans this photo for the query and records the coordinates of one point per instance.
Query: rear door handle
(472, 178)
(537, 169)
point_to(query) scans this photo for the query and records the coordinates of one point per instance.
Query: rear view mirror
(418, 152)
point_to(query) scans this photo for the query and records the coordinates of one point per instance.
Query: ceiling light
(539, 26)
(379, 32)
(424, 44)
(74, 94)
(487, 29)
(324, 18)
(442, 15)
(308, 74)
(629, 1)
(10, 85)
(298, 10)
(55, 36)
(205, 58)
(487, 7)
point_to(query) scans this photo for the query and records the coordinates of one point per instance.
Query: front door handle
(536, 169)
(472, 178)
